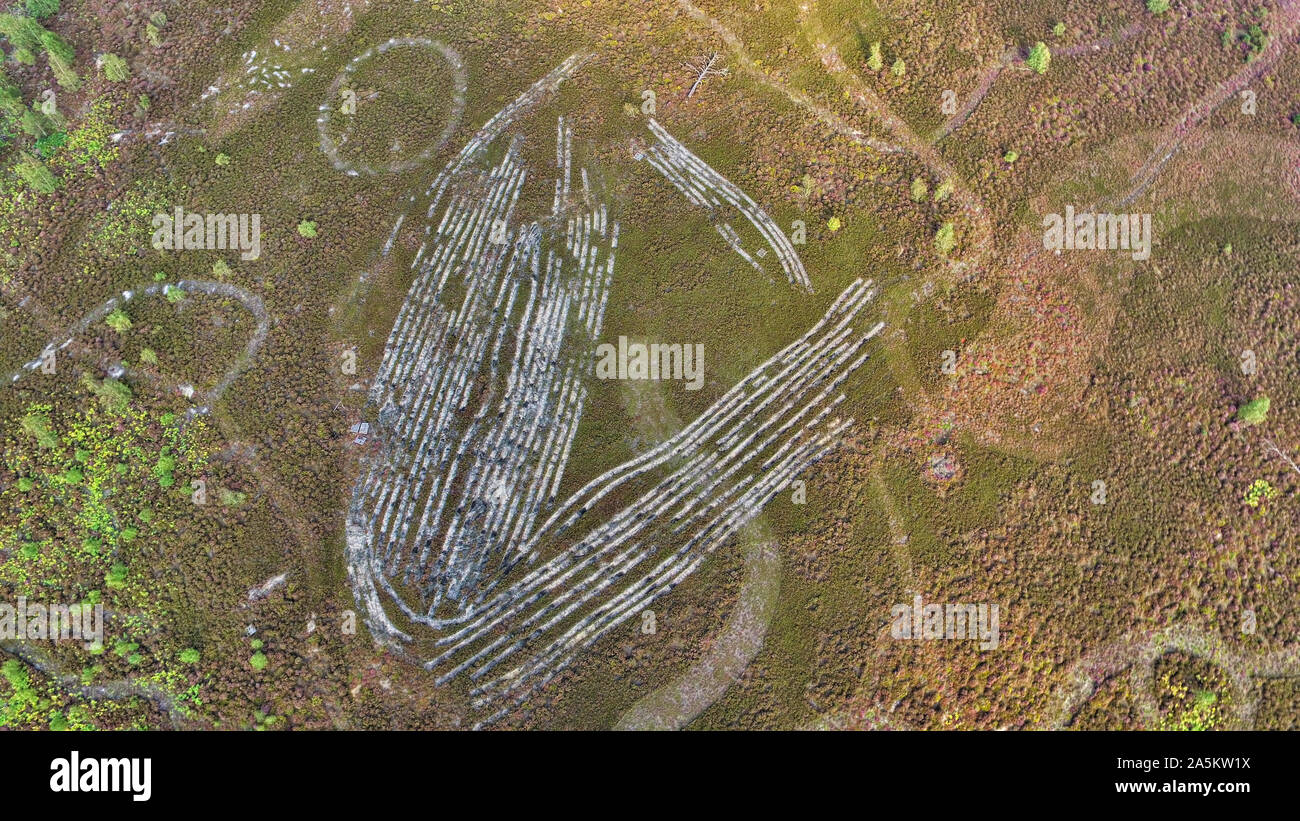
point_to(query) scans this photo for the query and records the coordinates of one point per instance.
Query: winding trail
(1139, 654)
(922, 149)
(1012, 57)
(675, 704)
(681, 701)
(977, 96)
(823, 114)
(117, 690)
(1200, 111)
(249, 300)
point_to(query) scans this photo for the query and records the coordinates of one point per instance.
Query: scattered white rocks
(324, 120)
(249, 300)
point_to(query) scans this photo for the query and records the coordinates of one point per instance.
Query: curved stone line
(682, 700)
(1139, 656)
(249, 300)
(722, 482)
(460, 83)
(728, 440)
(706, 188)
(698, 490)
(415, 336)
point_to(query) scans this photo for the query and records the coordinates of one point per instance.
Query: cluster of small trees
(43, 122)
(27, 37)
(876, 61)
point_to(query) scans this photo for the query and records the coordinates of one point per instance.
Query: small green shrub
(115, 68)
(945, 239)
(118, 321)
(877, 59)
(1040, 57)
(1252, 413)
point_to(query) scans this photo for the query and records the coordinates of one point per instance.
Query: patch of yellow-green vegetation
(1259, 491)
(95, 491)
(125, 227)
(83, 153)
(1193, 694)
(88, 149)
(83, 484)
(31, 701)
(258, 661)
(1254, 412)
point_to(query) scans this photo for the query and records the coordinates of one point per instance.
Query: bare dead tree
(705, 69)
(1278, 451)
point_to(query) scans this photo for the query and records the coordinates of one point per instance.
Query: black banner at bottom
(346, 771)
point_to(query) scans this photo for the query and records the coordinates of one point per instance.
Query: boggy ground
(975, 485)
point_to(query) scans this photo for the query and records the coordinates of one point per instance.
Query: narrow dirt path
(823, 115)
(898, 536)
(980, 238)
(679, 702)
(1138, 656)
(976, 97)
(1012, 57)
(1280, 39)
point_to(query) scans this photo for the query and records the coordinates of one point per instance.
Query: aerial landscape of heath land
(649, 364)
